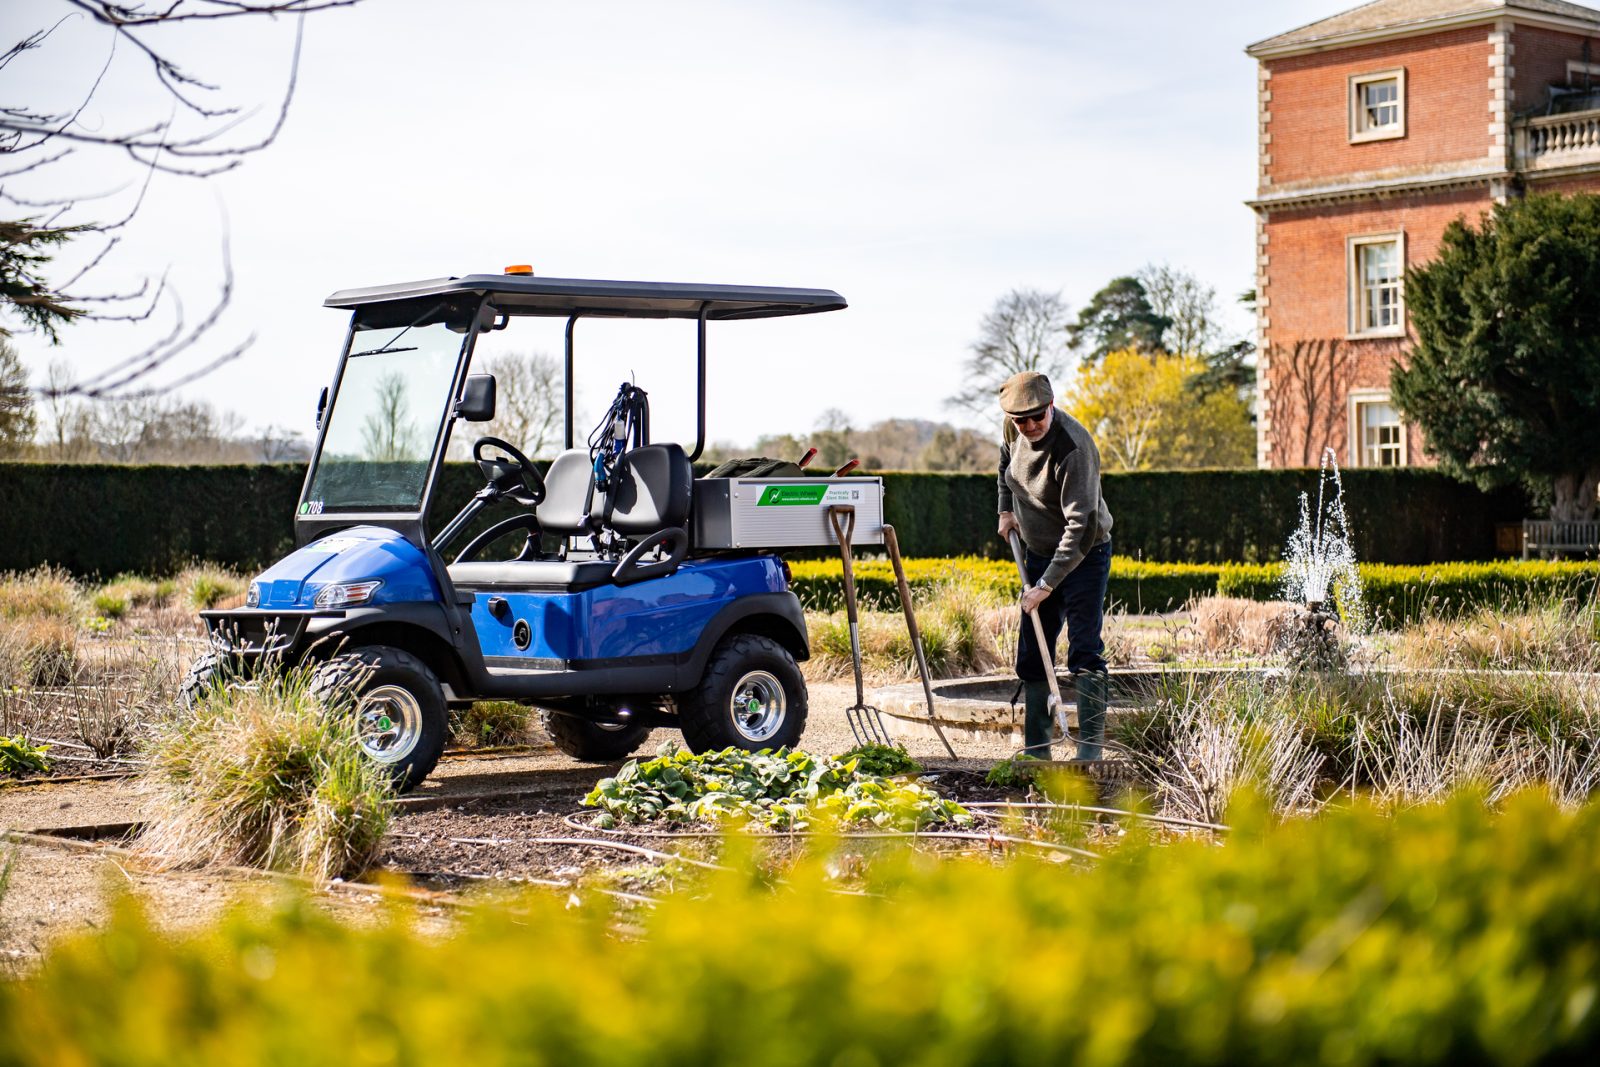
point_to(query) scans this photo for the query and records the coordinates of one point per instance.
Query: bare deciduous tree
(1189, 303)
(195, 131)
(1025, 330)
(528, 399)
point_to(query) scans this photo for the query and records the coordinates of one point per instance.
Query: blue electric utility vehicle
(616, 612)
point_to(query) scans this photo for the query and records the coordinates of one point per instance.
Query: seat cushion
(570, 575)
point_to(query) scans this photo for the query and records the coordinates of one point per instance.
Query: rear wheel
(751, 696)
(399, 706)
(593, 742)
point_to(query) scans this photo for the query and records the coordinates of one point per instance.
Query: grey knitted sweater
(1053, 487)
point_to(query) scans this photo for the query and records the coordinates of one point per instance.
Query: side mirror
(322, 406)
(477, 399)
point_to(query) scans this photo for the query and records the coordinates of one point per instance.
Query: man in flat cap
(1050, 494)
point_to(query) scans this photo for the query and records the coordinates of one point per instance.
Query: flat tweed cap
(1026, 393)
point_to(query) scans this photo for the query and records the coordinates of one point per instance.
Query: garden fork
(1057, 708)
(866, 721)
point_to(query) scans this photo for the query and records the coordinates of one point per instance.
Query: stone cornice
(1266, 50)
(1334, 192)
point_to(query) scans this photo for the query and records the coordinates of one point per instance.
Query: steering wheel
(527, 520)
(512, 475)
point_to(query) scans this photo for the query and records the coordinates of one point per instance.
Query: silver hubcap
(391, 723)
(758, 706)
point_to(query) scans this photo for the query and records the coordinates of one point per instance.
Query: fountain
(1320, 574)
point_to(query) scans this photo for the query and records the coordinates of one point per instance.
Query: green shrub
(782, 789)
(882, 761)
(109, 605)
(18, 756)
(208, 586)
(1444, 935)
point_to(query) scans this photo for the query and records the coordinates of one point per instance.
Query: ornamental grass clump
(266, 775)
(781, 790)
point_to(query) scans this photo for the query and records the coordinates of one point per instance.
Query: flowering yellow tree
(1144, 417)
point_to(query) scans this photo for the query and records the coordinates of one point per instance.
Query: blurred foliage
(1446, 934)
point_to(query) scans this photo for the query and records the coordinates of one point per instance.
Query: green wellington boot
(1093, 688)
(1036, 723)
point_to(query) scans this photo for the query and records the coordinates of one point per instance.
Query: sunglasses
(1025, 420)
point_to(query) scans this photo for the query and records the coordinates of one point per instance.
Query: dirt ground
(451, 834)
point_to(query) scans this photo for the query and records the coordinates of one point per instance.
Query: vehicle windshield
(385, 419)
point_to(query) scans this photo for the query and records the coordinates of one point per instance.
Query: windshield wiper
(381, 351)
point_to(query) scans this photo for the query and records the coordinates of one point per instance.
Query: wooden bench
(1547, 538)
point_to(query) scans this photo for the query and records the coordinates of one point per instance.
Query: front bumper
(251, 633)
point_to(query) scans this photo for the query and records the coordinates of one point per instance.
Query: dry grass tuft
(46, 593)
(1230, 626)
(267, 776)
(493, 722)
(966, 629)
(1562, 636)
(38, 650)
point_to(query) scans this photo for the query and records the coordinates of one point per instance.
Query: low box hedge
(1395, 595)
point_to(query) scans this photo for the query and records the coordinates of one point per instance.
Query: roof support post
(572, 320)
(700, 385)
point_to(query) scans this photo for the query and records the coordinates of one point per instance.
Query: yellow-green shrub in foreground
(1442, 935)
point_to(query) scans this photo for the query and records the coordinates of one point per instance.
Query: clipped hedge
(1443, 935)
(1134, 585)
(1399, 595)
(104, 519)
(1395, 594)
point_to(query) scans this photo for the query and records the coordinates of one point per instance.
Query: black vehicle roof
(525, 294)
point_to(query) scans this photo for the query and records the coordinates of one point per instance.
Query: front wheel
(399, 705)
(751, 696)
(593, 742)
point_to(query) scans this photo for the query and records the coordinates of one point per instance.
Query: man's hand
(1032, 597)
(1008, 522)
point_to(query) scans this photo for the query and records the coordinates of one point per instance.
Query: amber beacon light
(520, 268)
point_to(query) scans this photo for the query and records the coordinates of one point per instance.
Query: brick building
(1378, 127)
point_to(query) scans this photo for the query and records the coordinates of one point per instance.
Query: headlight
(346, 594)
(252, 599)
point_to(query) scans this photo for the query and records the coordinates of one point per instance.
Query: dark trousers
(1080, 602)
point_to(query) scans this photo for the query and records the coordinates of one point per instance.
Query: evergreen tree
(1504, 379)
(1118, 317)
(17, 419)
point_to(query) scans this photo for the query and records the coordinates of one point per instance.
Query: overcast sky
(920, 158)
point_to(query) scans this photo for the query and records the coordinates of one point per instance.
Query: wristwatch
(1040, 585)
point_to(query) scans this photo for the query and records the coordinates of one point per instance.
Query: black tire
(401, 703)
(745, 666)
(591, 742)
(209, 670)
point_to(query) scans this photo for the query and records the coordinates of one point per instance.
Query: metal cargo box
(783, 512)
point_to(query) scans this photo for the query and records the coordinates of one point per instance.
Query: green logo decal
(791, 495)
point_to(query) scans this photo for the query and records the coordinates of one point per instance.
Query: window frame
(1357, 450)
(1360, 133)
(1355, 321)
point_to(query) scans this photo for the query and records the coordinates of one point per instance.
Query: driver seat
(649, 506)
(563, 513)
